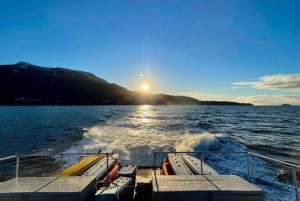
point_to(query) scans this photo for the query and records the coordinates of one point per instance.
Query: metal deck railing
(200, 153)
(17, 157)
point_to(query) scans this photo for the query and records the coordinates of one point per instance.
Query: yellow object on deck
(80, 167)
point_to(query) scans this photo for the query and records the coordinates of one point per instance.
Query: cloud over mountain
(200, 96)
(276, 82)
(271, 99)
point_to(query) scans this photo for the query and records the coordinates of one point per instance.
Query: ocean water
(135, 132)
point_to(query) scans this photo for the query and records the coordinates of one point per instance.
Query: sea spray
(201, 141)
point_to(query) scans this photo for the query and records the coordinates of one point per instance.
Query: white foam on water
(260, 173)
(128, 143)
(189, 142)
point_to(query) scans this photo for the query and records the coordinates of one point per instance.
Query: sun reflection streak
(146, 113)
(145, 107)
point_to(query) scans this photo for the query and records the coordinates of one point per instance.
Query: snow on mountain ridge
(68, 72)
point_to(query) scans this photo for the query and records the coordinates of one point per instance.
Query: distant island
(286, 105)
(27, 84)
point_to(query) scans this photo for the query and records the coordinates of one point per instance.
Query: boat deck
(48, 188)
(146, 183)
(204, 187)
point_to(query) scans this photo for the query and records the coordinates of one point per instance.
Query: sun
(145, 87)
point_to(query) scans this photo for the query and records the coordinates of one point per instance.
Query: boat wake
(134, 146)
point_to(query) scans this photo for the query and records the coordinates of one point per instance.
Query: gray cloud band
(276, 82)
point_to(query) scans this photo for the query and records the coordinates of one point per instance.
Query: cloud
(200, 96)
(289, 97)
(270, 99)
(276, 82)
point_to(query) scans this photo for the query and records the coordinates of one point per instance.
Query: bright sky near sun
(244, 51)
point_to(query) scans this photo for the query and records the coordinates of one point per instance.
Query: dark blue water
(136, 131)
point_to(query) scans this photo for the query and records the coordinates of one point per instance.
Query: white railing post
(107, 180)
(247, 165)
(154, 158)
(201, 155)
(17, 166)
(295, 183)
(61, 165)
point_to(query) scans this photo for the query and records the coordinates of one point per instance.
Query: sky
(223, 50)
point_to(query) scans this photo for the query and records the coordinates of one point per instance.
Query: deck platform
(204, 187)
(48, 188)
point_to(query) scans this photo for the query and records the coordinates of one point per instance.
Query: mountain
(27, 84)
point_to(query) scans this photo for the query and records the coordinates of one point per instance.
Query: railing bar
(267, 158)
(9, 157)
(273, 195)
(36, 155)
(48, 155)
(216, 152)
(198, 152)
